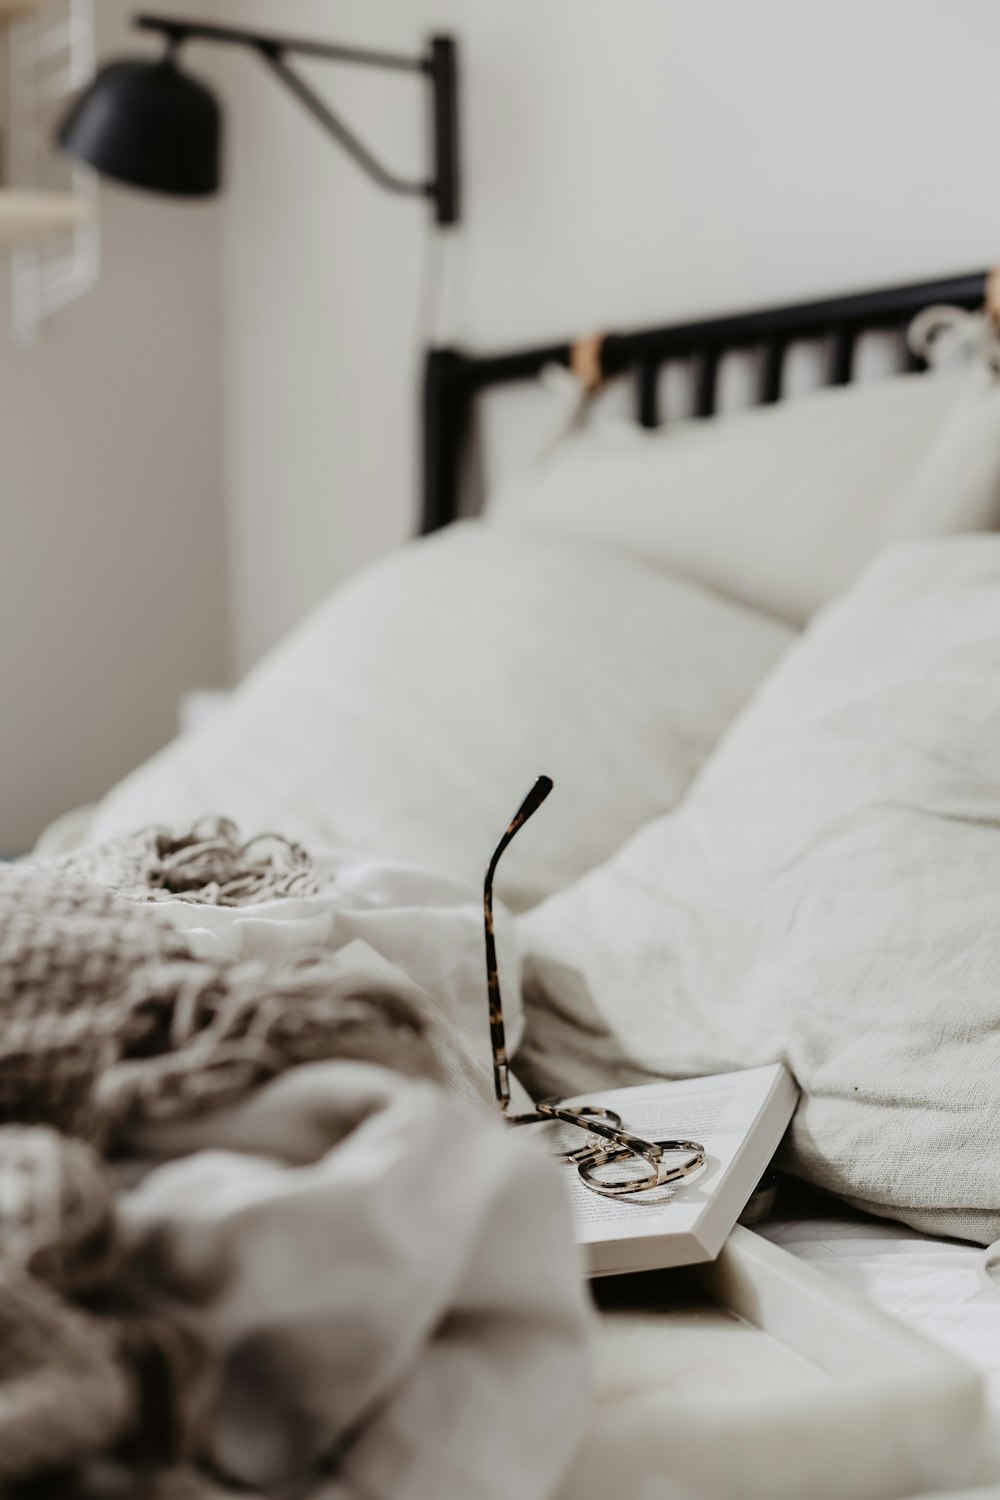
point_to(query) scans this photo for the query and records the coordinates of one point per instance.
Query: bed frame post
(444, 420)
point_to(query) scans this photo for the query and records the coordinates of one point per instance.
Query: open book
(738, 1117)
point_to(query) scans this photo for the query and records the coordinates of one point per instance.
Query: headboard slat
(708, 373)
(842, 360)
(648, 395)
(912, 363)
(772, 366)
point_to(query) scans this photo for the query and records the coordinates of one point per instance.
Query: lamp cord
(431, 295)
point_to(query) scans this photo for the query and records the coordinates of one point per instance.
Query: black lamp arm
(437, 64)
(179, 28)
(333, 125)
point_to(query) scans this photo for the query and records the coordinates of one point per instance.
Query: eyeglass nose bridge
(608, 1138)
(603, 1125)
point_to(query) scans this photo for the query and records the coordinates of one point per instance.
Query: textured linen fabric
(826, 897)
(412, 712)
(378, 1276)
(780, 506)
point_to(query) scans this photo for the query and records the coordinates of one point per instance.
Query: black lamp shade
(148, 124)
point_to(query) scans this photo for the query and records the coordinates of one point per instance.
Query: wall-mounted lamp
(148, 124)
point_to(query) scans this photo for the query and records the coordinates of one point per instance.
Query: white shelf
(10, 8)
(756, 1374)
(48, 207)
(28, 215)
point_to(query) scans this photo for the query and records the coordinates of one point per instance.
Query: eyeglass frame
(608, 1143)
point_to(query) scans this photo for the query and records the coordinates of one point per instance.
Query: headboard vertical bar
(444, 421)
(704, 401)
(648, 394)
(912, 363)
(842, 361)
(771, 368)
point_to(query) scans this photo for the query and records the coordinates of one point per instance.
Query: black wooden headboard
(452, 379)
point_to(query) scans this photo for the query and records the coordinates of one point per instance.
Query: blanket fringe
(209, 865)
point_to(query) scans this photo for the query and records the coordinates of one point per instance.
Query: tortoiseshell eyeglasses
(609, 1144)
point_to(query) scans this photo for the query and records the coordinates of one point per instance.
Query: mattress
(940, 1287)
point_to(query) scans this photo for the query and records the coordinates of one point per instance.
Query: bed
(941, 1287)
(365, 732)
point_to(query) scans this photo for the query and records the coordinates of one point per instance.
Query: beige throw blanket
(245, 1235)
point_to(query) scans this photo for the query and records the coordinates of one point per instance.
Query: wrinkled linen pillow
(781, 506)
(410, 714)
(827, 896)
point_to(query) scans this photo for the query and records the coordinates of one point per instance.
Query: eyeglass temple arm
(498, 1038)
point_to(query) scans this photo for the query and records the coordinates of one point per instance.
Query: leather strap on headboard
(585, 360)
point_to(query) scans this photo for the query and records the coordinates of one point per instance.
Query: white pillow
(827, 896)
(781, 506)
(412, 712)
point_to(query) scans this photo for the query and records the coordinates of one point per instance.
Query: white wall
(321, 276)
(624, 163)
(112, 552)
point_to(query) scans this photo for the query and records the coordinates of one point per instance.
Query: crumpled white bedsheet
(382, 1276)
(405, 1297)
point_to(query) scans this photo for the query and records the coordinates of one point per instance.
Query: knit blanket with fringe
(114, 1028)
